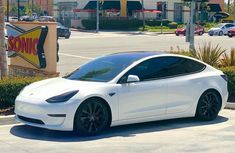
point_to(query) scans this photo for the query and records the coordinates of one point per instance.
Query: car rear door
(183, 84)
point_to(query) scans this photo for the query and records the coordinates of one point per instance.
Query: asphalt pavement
(176, 136)
(83, 46)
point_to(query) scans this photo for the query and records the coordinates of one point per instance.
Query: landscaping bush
(11, 87)
(121, 24)
(173, 25)
(112, 24)
(230, 72)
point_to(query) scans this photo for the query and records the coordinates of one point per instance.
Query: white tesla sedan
(221, 29)
(124, 88)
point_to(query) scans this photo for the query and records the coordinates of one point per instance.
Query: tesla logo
(27, 44)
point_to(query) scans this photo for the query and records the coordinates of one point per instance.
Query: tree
(3, 61)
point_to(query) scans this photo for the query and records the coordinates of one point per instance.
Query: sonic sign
(28, 44)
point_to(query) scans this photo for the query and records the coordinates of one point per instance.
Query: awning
(214, 8)
(221, 15)
(134, 5)
(107, 5)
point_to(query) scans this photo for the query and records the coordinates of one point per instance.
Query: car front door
(147, 97)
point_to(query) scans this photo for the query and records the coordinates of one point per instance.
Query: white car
(124, 88)
(221, 29)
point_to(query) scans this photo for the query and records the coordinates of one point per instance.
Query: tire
(92, 117)
(230, 35)
(177, 34)
(221, 33)
(67, 37)
(200, 33)
(208, 106)
(211, 34)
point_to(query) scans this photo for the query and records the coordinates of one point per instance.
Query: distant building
(45, 5)
(173, 10)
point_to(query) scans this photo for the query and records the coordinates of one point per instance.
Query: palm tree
(3, 62)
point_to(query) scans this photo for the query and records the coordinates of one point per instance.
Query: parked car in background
(221, 29)
(231, 32)
(199, 30)
(63, 31)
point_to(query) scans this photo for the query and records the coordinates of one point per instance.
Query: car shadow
(29, 132)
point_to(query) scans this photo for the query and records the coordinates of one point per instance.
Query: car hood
(52, 87)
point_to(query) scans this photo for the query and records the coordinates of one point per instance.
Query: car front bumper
(56, 116)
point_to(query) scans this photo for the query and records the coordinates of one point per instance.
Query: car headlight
(62, 97)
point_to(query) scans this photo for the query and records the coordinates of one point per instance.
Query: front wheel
(208, 106)
(91, 118)
(221, 33)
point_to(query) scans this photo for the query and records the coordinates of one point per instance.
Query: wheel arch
(102, 100)
(214, 90)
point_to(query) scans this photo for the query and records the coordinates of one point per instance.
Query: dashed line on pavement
(76, 56)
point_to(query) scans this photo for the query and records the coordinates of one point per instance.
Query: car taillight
(225, 77)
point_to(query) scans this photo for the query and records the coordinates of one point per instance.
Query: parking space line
(76, 56)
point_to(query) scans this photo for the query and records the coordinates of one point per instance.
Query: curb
(230, 105)
(7, 120)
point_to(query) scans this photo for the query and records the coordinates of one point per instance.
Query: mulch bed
(7, 111)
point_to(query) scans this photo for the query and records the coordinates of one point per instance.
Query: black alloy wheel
(91, 118)
(208, 106)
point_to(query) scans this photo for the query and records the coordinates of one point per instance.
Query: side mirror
(133, 78)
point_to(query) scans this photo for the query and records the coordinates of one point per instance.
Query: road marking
(77, 56)
(10, 125)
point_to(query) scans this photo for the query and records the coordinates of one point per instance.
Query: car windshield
(104, 69)
(219, 25)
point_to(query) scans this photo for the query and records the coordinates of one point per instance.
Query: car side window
(148, 70)
(181, 66)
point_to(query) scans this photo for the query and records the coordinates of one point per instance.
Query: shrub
(230, 72)
(121, 24)
(11, 87)
(209, 54)
(112, 24)
(173, 25)
(228, 60)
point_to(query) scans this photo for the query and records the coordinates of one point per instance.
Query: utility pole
(7, 10)
(3, 61)
(191, 26)
(97, 16)
(234, 12)
(18, 6)
(143, 15)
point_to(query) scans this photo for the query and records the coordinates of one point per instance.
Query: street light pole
(97, 16)
(192, 28)
(143, 15)
(18, 4)
(7, 10)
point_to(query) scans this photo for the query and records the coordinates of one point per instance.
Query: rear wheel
(92, 117)
(208, 106)
(200, 33)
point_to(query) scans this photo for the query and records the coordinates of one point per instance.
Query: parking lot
(83, 46)
(179, 135)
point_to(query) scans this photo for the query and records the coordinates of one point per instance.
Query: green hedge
(10, 88)
(230, 72)
(121, 24)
